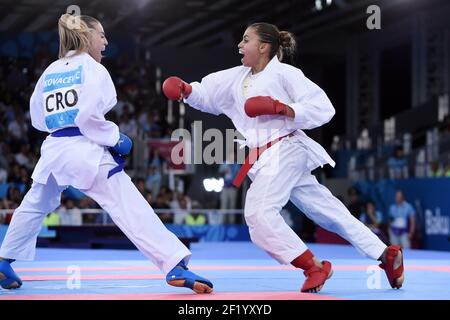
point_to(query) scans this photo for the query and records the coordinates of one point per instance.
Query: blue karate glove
(123, 146)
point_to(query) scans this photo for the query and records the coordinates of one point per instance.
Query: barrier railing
(105, 221)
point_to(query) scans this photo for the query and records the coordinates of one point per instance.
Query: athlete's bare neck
(260, 65)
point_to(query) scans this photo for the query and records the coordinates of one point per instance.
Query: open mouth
(243, 55)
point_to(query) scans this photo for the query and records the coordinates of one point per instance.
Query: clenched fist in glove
(258, 106)
(124, 145)
(176, 89)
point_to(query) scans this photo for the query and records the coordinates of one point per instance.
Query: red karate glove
(258, 106)
(176, 89)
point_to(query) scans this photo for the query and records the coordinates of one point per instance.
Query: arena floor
(239, 271)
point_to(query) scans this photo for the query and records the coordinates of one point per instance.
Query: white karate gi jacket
(75, 91)
(221, 93)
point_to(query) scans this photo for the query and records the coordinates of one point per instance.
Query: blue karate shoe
(8, 278)
(180, 276)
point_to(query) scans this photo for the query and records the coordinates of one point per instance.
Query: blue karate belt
(74, 131)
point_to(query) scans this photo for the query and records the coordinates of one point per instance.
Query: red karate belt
(252, 157)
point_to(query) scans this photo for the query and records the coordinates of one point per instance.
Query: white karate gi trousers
(282, 173)
(118, 196)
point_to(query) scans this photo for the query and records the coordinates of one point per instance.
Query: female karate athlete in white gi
(270, 103)
(84, 150)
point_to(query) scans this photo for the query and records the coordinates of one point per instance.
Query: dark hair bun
(287, 40)
(287, 44)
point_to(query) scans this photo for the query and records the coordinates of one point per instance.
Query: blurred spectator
(3, 175)
(123, 106)
(18, 131)
(4, 152)
(156, 160)
(14, 174)
(401, 222)
(128, 125)
(150, 199)
(445, 125)
(355, 205)
(336, 145)
(140, 185)
(154, 180)
(436, 170)
(398, 165)
(88, 203)
(447, 170)
(25, 179)
(182, 206)
(229, 192)
(69, 214)
(228, 196)
(161, 203)
(164, 192)
(158, 126)
(195, 219)
(364, 142)
(22, 156)
(373, 219)
(52, 219)
(172, 199)
(13, 198)
(144, 121)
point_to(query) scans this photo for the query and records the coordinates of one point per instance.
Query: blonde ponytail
(74, 33)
